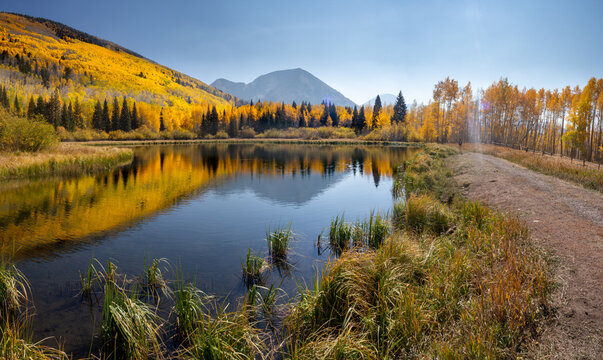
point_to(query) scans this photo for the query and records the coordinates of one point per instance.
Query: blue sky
(361, 48)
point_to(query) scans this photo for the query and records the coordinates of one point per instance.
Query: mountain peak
(284, 85)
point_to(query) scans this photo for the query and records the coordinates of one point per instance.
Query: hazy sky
(361, 48)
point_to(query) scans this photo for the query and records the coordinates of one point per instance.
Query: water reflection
(41, 218)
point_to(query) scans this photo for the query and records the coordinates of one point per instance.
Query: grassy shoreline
(62, 159)
(589, 176)
(248, 141)
(452, 280)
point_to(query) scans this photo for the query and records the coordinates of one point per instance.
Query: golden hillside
(39, 55)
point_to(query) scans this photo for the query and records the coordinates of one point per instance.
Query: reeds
(129, 329)
(207, 331)
(152, 277)
(340, 234)
(278, 242)
(14, 291)
(252, 268)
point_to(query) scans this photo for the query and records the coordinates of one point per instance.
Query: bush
(247, 133)
(20, 134)
(221, 135)
(394, 132)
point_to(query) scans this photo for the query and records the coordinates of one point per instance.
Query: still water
(199, 206)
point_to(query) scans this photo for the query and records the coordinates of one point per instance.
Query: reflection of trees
(38, 214)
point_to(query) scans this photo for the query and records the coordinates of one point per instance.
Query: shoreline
(246, 141)
(63, 159)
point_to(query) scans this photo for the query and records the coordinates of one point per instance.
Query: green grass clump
(13, 346)
(152, 277)
(424, 213)
(278, 242)
(91, 278)
(210, 332)
(252, 268)
(14, 291)
(376, 229)
(340, 234)
(129, 329)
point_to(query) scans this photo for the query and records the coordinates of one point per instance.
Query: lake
(200, 206)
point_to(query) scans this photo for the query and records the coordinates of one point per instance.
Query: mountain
(39, 55)
(386, 99)
(286, 86)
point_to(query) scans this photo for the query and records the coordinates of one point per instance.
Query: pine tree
(161, 123)
(31, 108)
(233, 128)
(361, 120)
(302, 120)
(105, 123)
(125, 121)
(54, 109)
(355, 119)
(135, 122)
(97, 120)
(399, 110)
(325, 115)
(70, 122)
(64, 115)
(376, 110)
(333, 114)
(213, 121)
(41, 107)
(17, 106)
(78, 120)
(115, 123)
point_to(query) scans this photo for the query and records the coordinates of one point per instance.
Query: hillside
(286, 86)
(38, 56)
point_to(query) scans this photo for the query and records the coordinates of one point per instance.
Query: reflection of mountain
(285, 189)
(37, 216)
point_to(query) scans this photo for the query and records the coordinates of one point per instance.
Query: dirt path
(565, 219)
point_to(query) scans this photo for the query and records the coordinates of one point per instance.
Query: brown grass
(62, 159)
(589, 175)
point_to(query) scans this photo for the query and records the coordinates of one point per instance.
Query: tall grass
(62, 159)
(208, 331)
(278, 242)
(129, 329)
(14, 291)
(340, 234)
(252, 268)
(152, 277)
(15, 319)
(476, 292)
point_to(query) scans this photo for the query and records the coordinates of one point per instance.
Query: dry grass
(475, 292)
(589, 175)
(62, 159)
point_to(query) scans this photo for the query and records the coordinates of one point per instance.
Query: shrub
(21, 134)
(221, 135)
(247, 133)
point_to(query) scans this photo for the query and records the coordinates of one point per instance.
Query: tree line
(566, 121)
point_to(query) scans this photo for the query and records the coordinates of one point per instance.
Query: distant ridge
(285, 86)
